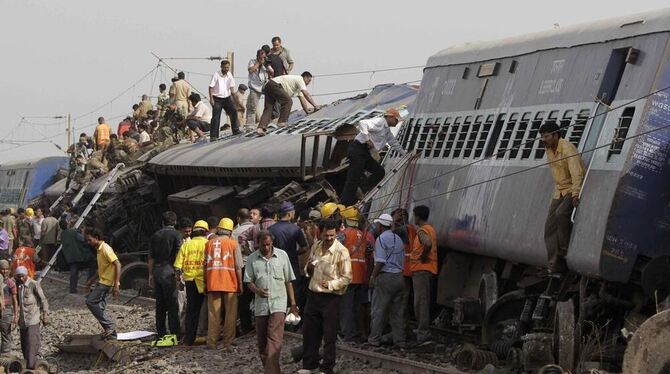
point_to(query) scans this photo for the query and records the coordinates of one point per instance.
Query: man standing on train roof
(363, 153)
(568, 173)
(101, 135)
(221, 96)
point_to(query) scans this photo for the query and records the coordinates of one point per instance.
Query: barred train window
(423, 135)
(441, 137)
(415, 133)
(621, 131)
(451, 137)
(483, 135)
(519, 135)
(472, 137)
(507, 135)
(532, 138)
(578, 129)
(404, 133)
(462, 135)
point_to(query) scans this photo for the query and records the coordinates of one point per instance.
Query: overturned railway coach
(482, 170)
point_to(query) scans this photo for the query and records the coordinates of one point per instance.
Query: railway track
(386, 361)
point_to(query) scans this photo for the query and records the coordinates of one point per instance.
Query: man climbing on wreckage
(363, 153)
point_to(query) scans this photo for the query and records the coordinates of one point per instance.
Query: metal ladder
(76, 198)
(89, 207)
(396, 168)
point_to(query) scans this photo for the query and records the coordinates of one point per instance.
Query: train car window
(507, 135)
(519, 135)
(577, 131)
(495, 134)
(483, 135)
(466, 72)
(532, 140)
(415, 133)
(621, 131)
(462, 136)
(424, 136)
(472, 137)
(403, 135)
(451, 137)
(439, 134)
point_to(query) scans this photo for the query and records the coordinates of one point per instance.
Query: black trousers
(226, 104)
(194, 301)
(557, 230)
(75, 267)
(320, 322)
(244, 308)
(360, 161)
(165, 291)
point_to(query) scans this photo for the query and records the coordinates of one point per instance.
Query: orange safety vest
(411, 234)
(356, 242)
(23, 256)
(220, 260)
(417, 250)
(102, 134)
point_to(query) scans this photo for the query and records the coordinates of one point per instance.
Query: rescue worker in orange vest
(423, 263)
(354, 307)
(102, 135)
(223, 281)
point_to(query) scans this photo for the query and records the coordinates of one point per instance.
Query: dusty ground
(69, 315)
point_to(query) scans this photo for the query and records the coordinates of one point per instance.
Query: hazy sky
(74, 56)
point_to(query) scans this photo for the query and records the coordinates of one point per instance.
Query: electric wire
(531, 141)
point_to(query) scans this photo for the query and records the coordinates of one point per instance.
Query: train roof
(564, 37)
(27, 164)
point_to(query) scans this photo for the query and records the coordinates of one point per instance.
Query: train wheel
(648, 350)
(564, 334)
(503, 315)
(135, 276)
(488, 291)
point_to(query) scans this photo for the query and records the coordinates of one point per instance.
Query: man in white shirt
(281, 89)
(221, 97)
(373, 135)
(198, 121)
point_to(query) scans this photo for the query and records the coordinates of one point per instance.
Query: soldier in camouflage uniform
(96, 166)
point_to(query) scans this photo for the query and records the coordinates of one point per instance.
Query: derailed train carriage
(482, 171)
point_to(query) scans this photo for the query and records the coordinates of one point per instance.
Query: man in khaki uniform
(179, 93)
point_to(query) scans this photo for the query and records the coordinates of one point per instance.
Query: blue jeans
(96, 301)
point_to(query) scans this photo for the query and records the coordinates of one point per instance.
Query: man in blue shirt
(388, 284)
(288, 236)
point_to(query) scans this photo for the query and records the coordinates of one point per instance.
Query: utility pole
(69, 131)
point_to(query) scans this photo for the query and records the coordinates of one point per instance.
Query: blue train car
(22, 181)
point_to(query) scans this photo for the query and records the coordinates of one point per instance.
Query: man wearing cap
(190, 270)
(163, 247)
(329, 267)
(363, 153)
(109, 274)
(288, 236)
(388, 284)
(33, 308)
(352, 307)
(223, 279)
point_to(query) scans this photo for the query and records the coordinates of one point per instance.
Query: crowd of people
(271, 269)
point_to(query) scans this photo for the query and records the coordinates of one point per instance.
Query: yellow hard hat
(200, 224)
(226, 224)
(30, 212)
(341, 207)
(328, 209)
(350, 213)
